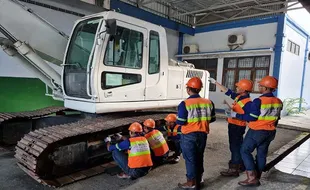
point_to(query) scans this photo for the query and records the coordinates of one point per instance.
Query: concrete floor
(165, 177)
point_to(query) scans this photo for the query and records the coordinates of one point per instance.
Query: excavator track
(14, 125)
(30, 114)
(62, 154)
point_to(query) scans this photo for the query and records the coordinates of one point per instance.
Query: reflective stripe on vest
(157, 142)
(238, 108)
(139, 154)
(173, 132)
(199, 115)
(270, 111)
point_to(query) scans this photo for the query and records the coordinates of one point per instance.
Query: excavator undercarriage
(61, 154)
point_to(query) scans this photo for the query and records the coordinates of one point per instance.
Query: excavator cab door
(123, 65)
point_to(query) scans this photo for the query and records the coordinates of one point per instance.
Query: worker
(194, 116)
(236, 127)
(158, 144)
(174, 134)
(139, 161)
(263, 119)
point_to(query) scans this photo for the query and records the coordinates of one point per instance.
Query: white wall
(291, 66)
(173, 42)
(11, 67)
(62, 21)
(258, 36)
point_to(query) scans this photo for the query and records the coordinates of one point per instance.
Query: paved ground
(164, 177)
(297, 121)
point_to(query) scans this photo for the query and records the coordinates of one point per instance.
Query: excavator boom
(37, 44)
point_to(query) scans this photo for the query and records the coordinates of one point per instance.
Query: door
(124, 65)
(155, 89)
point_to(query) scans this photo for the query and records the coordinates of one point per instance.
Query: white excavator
(113, 66)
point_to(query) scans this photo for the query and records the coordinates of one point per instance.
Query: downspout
(303, 73)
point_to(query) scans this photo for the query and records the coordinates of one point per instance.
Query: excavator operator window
(154, 55)
(78, 57)
(125, 49)
(113, 79)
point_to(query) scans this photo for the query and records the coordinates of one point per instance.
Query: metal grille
(191, 73)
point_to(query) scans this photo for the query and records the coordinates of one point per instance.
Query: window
(253, 68)
(154, 54)
(113, 80)
(78, 56)
(206, 64)
(292, 47)
(125, 49)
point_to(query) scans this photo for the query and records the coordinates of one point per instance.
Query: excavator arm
(35, 49)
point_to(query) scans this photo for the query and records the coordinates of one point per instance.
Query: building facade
(273, 45)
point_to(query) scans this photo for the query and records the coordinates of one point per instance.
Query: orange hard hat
(149, 123)
(194, 82)
(171, 117)
(135, 127)
(269, 82)
(245, 84)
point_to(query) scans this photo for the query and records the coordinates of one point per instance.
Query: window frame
(152, 31)
(293, 47)
(142, 51)
(253, 69)
(103, 74)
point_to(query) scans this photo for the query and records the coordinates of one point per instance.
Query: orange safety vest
(173, 131)
(199, 115)
(139, 155)
(157, 142)
(270, 111)
(238, 108)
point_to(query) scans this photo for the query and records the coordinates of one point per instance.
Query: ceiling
(305, 4)
(205, 12)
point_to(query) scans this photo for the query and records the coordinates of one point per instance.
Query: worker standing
(263, 119)
(174, 134)
(138, 161)
(158, 144)
(236, 127)
(194, 116)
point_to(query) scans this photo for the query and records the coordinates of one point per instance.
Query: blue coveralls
(174, 140)
(235, 132)
(259, 139)
(122, 159)
(193, 144)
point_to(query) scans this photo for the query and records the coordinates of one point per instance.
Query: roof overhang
(305, 4)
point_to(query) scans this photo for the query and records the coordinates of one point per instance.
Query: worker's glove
(107, 139)
(233, 114)
(118, 136)
(212, 80)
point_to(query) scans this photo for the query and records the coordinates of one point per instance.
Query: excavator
(113, 70)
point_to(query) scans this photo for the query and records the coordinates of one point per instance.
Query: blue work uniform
(192, 144)
(236, 132)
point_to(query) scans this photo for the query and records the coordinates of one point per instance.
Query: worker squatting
(187, 132)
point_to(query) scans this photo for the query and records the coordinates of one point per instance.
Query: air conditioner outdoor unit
(236, 39)
(190, 49)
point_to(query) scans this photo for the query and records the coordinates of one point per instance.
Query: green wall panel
(23, 94)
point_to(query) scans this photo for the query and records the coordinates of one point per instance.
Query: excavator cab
(118, 63)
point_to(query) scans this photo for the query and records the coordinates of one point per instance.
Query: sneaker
(123, 176)
(190, 184)
(176, 159)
